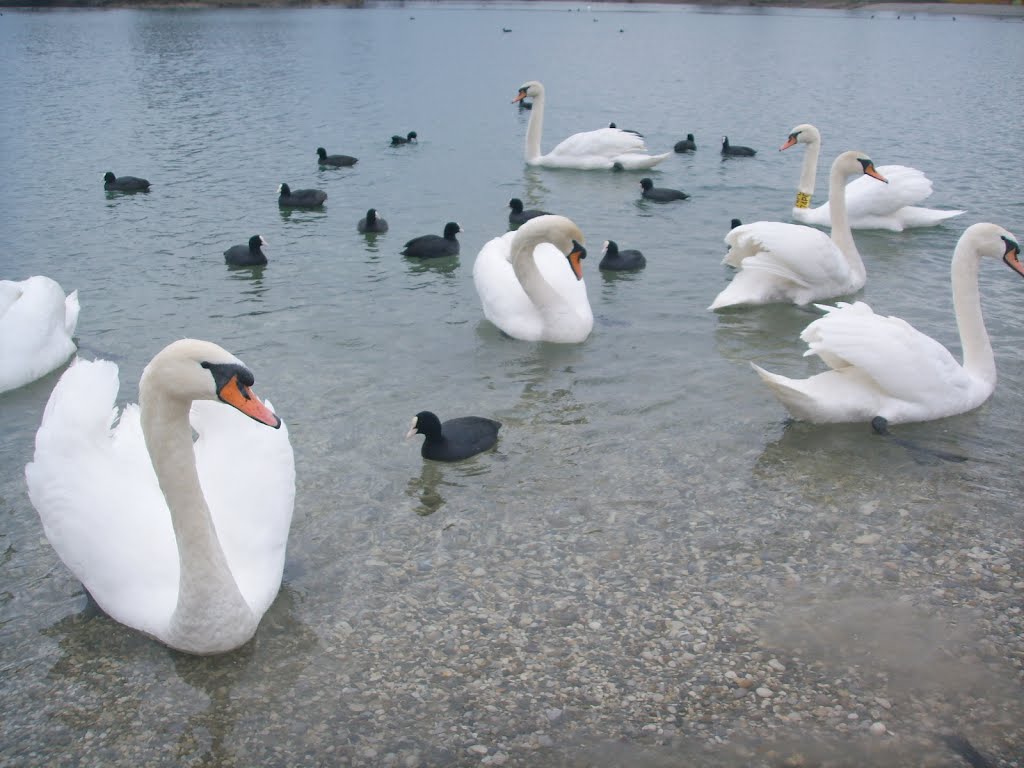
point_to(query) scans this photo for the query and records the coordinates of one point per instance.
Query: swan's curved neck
(206, 587)
(808, 172)
(842, 236)
(543, 296)
(979, 360)
(535, 129)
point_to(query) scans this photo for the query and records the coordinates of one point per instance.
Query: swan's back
(602, 148)
(37, 322)
(98, 499)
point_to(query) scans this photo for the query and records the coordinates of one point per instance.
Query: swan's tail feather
(71, 309)
(639, 162)
(788, 391)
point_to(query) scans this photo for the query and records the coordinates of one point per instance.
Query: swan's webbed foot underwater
(919, 453)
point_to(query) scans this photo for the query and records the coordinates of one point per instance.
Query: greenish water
(637, 472)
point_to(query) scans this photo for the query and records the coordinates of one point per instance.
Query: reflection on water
(647, 497)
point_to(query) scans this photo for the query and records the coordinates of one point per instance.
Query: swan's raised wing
(801, 255)
(247, 472)
(97, 496)
(903, 362)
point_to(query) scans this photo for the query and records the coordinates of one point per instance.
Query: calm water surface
(650, 448)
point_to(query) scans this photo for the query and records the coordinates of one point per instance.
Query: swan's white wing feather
(801, 254)
(36, 324)
(604, 142)
(504, 301)
(247, 472)
(98, 499)
(904, 363)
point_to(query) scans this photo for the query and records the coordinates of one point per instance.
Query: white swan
(184, 542)
(868, 205)
(587, 151)
(781, 262)
(526, 286)
(37, 322)
(882, 366)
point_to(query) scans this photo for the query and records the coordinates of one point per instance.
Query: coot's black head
(516, 205)
(109, 177)
(450, 230)
(411, 136)
(284, 189)
(425, 423)
(321, 152)
(256, 242)
(734, 223)
(646, 184)
(611, 248)
(371, 216)
(689, 137)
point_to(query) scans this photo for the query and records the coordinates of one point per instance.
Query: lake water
(651, 528)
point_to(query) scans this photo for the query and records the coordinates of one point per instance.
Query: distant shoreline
(967, 8)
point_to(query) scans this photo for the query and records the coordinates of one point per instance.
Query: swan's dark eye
(1011, 247)
(522, 91)
(793, 135)
(222, 373)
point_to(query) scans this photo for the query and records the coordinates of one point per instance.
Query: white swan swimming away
(530, 282)
(37, 322)
(868, 205)
(883, 366)
(184, 542)
(600, 149)
(781, 262)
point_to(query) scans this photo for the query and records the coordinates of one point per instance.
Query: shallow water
(647, 496)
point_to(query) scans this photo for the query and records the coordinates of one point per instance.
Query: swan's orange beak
(1012, 257)
(869, 170)
(576, 257)
(789, 142)
(521, 96)
(239, 396)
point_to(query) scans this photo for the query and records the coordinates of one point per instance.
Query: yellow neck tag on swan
(803, 200)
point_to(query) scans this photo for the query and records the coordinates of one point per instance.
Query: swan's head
(256, 242)
(562, 233)
(451, 229)
(531, 88)
(994, 241)
(191, 369)
(854, 163)
(284, 189)
(805, 133)
(424, 423)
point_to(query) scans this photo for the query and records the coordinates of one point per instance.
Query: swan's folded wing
(98, 499)
(605, 142)
(502, 298)
(899, 358)
(867, 197)
(799, 254)
(247, 472)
